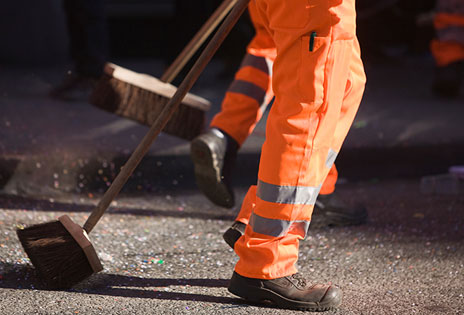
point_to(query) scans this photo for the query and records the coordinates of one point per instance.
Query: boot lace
(300, 280)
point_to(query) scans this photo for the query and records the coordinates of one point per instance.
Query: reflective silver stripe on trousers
(255, 62)
(248, 89)
(278, 228)
(451, 34)
(299, 195)
(331, 156)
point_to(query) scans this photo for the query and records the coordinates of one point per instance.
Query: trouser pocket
(312, 70)
(338, 72)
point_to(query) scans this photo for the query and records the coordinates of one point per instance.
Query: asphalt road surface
(165, 255)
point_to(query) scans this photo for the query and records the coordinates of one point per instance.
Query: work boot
(213, 155)
(233, 233)
(328, 211)
(292, 292)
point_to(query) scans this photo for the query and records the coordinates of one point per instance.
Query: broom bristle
(56, 255)
(145, 106)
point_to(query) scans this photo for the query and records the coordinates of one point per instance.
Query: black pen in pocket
(311, 40)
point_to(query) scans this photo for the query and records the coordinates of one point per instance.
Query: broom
(137, 96)
(61, 250)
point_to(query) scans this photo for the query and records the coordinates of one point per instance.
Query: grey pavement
(169, 258)
(160, 242)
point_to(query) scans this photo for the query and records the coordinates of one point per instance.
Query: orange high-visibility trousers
(251, 92)
(318, 81)
(448, 46)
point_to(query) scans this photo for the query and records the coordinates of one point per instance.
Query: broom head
(141, 97)
(60, 251)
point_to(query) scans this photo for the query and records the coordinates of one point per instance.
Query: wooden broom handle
(197, 40)
(139, 152)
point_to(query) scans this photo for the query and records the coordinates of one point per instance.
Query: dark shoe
(213, 155)
(448, 80)
(328, 211)
(74, 87)
(290, 292)
(233, 233)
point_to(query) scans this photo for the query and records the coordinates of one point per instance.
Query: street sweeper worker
(318, 80)
(245, 101)
(448, 47)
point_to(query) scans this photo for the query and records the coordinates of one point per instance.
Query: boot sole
(208, 174)
(261, 295)
(231, 236)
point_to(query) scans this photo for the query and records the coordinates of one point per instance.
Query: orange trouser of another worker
(251, 92)
(318, 82)
(448, 46)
